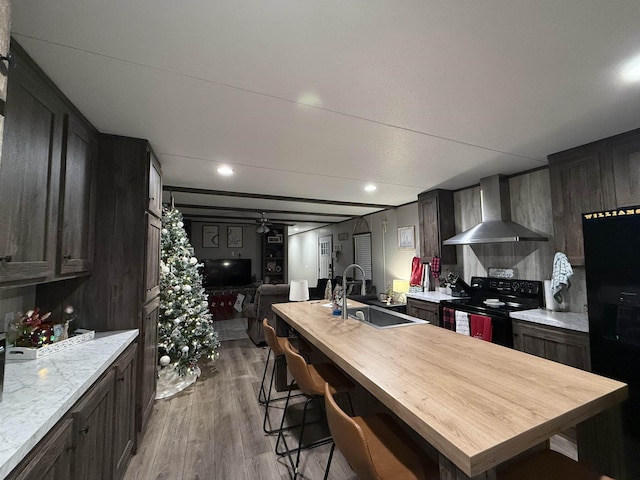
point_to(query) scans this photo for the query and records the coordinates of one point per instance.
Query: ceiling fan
(263, 224)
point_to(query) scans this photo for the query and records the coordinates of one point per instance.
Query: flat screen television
(234, 272)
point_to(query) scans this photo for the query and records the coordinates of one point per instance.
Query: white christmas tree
(185, 326)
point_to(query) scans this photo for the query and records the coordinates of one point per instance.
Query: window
(362, 255)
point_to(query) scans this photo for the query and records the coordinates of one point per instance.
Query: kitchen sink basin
(379, 317)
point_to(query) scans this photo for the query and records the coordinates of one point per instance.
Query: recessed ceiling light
(310, 99)
(225, 170)
(296, 229)
(631, 71)
(370, 187)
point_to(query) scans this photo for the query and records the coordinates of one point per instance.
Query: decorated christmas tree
(185, 326)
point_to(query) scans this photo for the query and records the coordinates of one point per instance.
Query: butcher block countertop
(477, 403)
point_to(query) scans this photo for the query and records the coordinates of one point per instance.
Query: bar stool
(375, 446)
(275, 345)
(548, 465)
(311, 380)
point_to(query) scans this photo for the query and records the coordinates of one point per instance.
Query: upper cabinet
(77, 199)
(598, 176)
(435, 213)
(47, 176)
(155, 185)
(29, 176)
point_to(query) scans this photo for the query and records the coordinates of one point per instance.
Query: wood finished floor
(213, 429)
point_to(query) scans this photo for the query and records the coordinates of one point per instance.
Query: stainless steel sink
(382, 318)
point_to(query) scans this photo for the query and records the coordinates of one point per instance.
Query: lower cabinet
(95, 439)
(147, 357)
(52, 459)
(557, 344)
(428, 311)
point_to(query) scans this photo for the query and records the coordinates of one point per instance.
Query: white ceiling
(314, 99)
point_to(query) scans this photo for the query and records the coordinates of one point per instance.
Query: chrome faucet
(363, 290)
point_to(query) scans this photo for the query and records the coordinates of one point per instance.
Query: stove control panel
(507, 286)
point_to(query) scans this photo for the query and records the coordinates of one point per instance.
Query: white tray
(31, 353)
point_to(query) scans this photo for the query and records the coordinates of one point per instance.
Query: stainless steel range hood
(496, 226)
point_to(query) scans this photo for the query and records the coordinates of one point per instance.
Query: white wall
(388, 264)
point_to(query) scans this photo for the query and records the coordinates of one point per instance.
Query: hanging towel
(462, 322)
(448, 318)
(481, 327)
(435, 267)
(562, 272)
(416, 272)
(328, 291)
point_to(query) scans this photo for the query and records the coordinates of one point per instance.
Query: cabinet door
(562, 346)
(580, 180)
(93, 416)
(77, 199)
(52, 458)
(124, 425)
(29, 177)
(625, 155)
(155, 185)
(152, 263)
(436, 218)
(148, 351)
(424, 310)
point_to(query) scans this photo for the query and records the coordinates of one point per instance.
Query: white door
(324, 257)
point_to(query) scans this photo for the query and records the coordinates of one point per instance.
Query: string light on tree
(185, 326)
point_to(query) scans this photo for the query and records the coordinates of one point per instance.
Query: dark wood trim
(223, 193)
(258, 210)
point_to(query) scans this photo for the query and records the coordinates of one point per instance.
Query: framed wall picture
(406, 238)
(210, 236)
(234, 237)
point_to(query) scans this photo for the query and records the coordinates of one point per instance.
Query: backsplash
(531, 207)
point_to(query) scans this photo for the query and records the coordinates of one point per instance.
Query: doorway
(325, 245)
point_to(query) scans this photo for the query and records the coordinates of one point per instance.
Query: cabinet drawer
(424, 310)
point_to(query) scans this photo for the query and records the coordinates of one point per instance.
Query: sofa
(266, 295)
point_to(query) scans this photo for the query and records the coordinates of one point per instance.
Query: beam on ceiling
(222, 193)
(261, 210)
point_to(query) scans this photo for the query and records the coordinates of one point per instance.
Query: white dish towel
(562, 272)
(462, 323)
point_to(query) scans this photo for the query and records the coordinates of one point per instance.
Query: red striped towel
(481, 327)
(449, 318)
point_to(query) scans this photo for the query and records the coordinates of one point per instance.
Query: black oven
(496, 298)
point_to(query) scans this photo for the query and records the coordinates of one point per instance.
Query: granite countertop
(434, 297)
(578, 322)
(38, 393)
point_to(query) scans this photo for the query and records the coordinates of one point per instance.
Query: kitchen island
(477, 403)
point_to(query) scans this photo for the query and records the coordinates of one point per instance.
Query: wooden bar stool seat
(376, 447)
(548, 465)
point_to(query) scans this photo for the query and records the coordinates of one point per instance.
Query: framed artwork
(406, 238)
(210, 236)
(234, 237)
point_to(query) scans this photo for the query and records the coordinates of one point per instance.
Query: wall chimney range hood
(496, 226)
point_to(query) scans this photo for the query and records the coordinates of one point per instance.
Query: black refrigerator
(612, 263)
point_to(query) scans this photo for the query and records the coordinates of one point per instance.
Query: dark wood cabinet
(93, 417)
(122, 292)
(155, 185)
(52, 459)
(424, 310)
(625, 158)
(602, 175)
(580, 182)
(436, 218)
(557, 344)
(47, 179)
(274, 255)
(124, 421)
(29, 175)
(77, 198)
(147, 360)
(152, 263)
